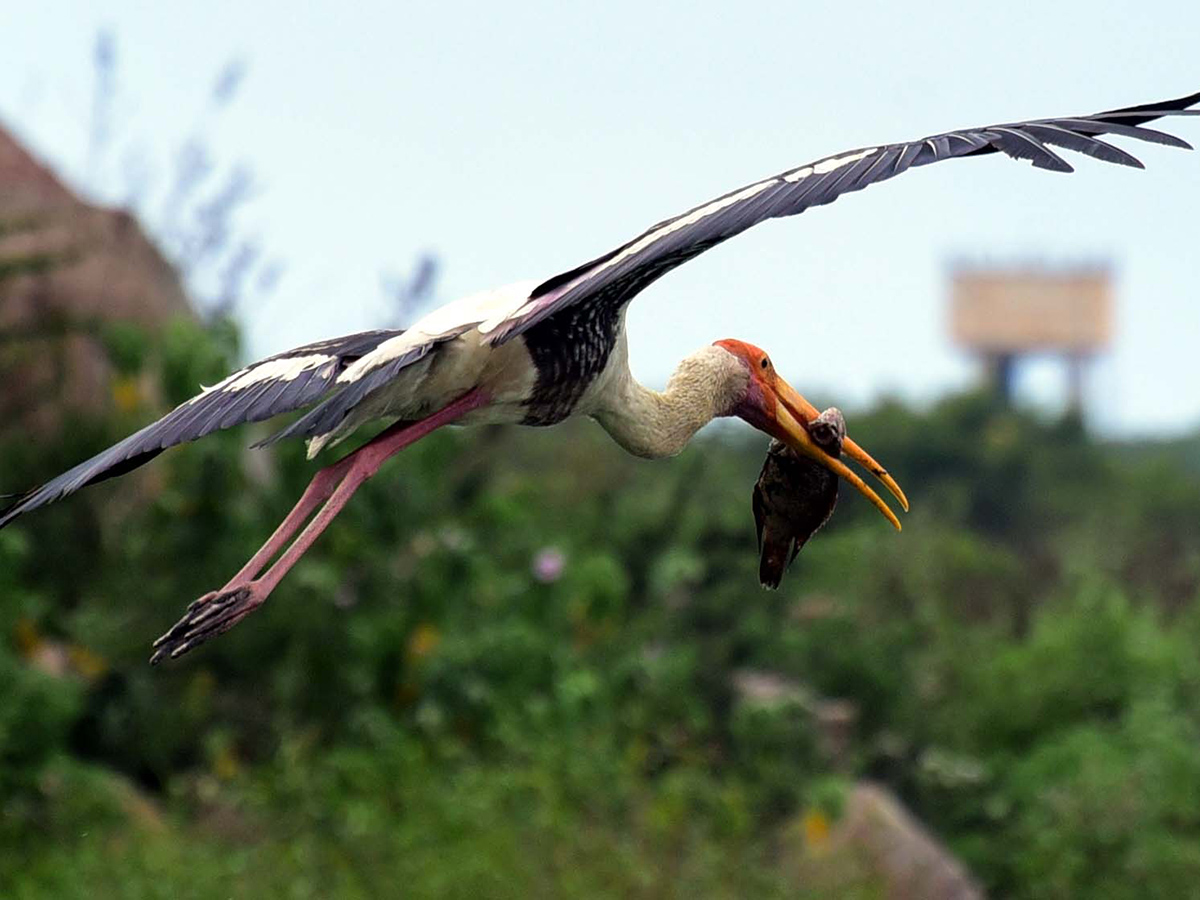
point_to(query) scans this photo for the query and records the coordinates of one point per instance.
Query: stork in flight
(537, 352)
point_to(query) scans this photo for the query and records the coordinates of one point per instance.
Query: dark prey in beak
(794, 497)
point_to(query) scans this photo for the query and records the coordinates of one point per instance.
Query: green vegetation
(421, 711)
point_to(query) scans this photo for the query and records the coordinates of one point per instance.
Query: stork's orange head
(773, 406)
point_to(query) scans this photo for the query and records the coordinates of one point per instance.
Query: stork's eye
(766, 363)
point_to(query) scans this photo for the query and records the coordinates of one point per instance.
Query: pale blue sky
(518, 139)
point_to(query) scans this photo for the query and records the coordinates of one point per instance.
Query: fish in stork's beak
(794, 497)
(775, 407)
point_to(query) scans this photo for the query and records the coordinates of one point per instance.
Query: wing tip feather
(10, 512)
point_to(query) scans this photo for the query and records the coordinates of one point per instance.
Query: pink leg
(318, 491)
(330, 489)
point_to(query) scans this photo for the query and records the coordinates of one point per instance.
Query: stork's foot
(214, 613)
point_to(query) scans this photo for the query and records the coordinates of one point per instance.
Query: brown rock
(877, 844)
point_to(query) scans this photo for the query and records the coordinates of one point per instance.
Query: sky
(516, 140)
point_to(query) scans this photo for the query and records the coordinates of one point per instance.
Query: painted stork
(537, 352)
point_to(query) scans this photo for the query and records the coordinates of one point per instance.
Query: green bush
(512, 666)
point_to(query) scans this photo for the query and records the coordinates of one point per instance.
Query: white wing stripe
(287, 368)
(828, 165)
(683, 222)
(279, 370)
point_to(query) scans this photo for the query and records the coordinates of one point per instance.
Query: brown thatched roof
(66, 268)
(23, 178)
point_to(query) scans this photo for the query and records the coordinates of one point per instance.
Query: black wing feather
(1137, 132)
(1023, 145)
(216, 408)
(617, 276)
(1049, 133)
(326, 417)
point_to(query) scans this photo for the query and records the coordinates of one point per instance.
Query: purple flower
(548, 564)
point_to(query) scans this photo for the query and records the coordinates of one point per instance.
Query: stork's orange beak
(793, 413)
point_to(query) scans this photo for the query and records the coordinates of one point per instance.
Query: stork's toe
(206, 617)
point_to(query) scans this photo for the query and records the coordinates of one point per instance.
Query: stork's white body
(645, 422)
(456, 365)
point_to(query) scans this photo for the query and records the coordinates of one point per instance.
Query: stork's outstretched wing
(326, 371)
(281, 383)
(619, 275)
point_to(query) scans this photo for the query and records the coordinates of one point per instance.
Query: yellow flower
(816, 828)
(423, 641)
(125, 394)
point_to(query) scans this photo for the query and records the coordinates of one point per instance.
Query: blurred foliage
(510, 667)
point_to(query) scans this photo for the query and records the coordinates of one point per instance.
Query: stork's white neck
(654, 424)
